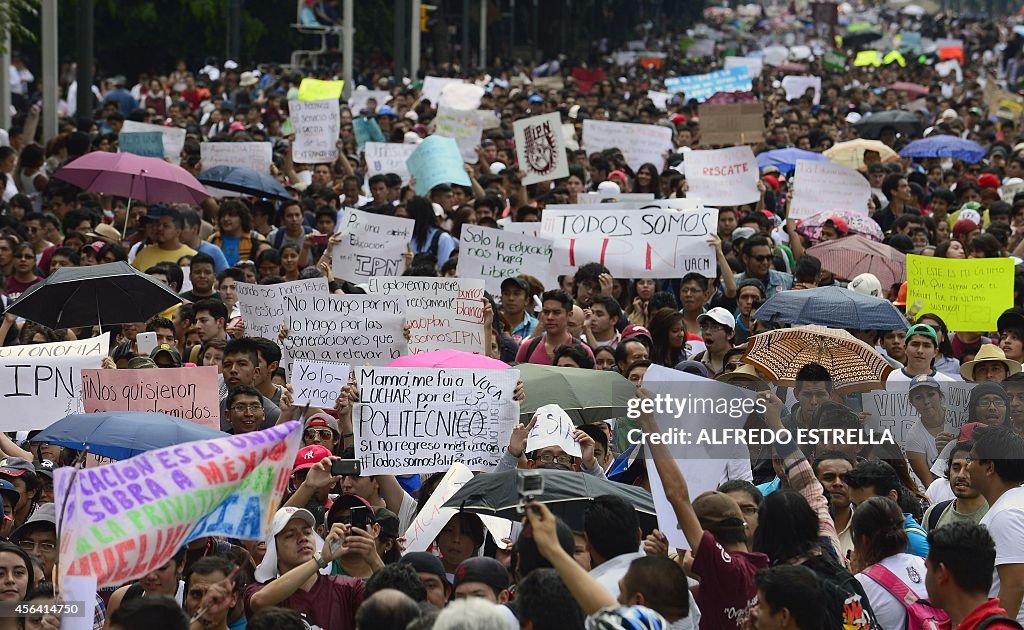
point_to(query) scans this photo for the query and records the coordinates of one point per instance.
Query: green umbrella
(586, 395)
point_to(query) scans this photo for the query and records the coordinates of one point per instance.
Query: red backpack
(921, 615)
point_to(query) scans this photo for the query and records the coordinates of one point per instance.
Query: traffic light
(423, 18)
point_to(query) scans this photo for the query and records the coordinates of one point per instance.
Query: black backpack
(936, 513)
(846, 602)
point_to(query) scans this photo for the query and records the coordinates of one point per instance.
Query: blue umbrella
(833, 306)
(945, 146)
(123, 434)
(244, 180)
(785, 159)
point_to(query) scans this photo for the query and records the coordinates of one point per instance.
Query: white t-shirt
(900, 376)
(919, 440)
(1005, 523)
(910, 570)
(939, 491)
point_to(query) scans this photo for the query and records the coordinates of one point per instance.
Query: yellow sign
(969, 295)
(317, 90)
(868, 58)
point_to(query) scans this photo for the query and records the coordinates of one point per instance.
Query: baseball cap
(608, 187)
(866, 284)
(720, 315)
(267, 569)
(43, 517)
(1011, 318)
(423, 562)
(8, 490)
(15, 466)
(515, 283)
(141, 363)
(346, 502)
(45, 467)
(967, 430)
(322, 420)
(742, 232)
(310, 456)
(635, 330)
(484, 570)
(170, 351)
(988, 180)
(719, 513)
(839, 224)
(924, 330)
(387, 520)
(923, 380)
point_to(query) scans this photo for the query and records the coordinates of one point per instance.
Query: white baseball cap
(720, 315)
(866, 284)
(267, 570)
(608, 187)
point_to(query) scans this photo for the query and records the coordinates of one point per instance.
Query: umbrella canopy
(785, 159)
(244, 180)
(857, 222)
(853, 364)
(853, 255)
(832, 306)
(728, 98)
(123, 434)
(910, 88)
(568, 494)
(851, 153)
(133, 176)
(860, 37)
(112, 293)
(903, 122)
(449, 359)
(586, 395)
(945, 146)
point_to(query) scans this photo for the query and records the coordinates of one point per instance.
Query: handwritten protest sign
(632, 243)
(462, 127)
(421, 420)
(797, 86)
(254, 155)
(432, 87)
(827, 186)
(435, 161)
(968, 295)
(187, 393)
(754, 65)
(319, 90)
(541, 148)
(891, 410)
(553, 427)
(355, 329)
(383, 157)
(493, 255)
(144, 143)
(262, 305)
(639, 143)
(124, 520)
(432, 518)
(702, 86)
(735, 123)
(360, 99)
(461, 96)
(318, 383)
(173, 137)
(42, 383)
(317, 125)
(371, 244)
(367, 130)
(442, 313)
(659, 99)
(835, 60)
(726, 177)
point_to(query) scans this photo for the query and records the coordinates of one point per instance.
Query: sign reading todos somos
(126, 519)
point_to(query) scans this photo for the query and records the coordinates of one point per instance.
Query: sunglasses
(323, 434)
(764, 258)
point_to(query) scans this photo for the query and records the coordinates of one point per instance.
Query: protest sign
(318, 383)
(42, 383)
(432, 87)
(585, 199)
(702, 86)
(173, 137)
(80, 589)
(317, 125)
(422, 420)
(462, 127)
(318, 90)
(587, 77)
(461, 96)
(262, 305)
(632, 243)
(835, 60)
(124, 520)
(796, 87)
(254, 155)
(659, 99)
(187, 393)
(435, 161)
(735, 123)
(968, 295)
(442, 313)
(640, 144)
(431, 518)
(371, 244)
(493, 255)
(541, 148)
(827, 186)
(890, 409)
(144, 143)
(726, 177)
(355, 329)
(549, 83)
(754, 65)
(366, 130)
(553, 427)
(944, 68)
(385, 157)
(360, 99)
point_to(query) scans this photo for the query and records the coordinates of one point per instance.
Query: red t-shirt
(330, 605)
(540, 355)
(981, 613)
(727, 591)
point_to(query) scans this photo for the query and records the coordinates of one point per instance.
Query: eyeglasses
(323, 434)
(764, 258)
(564, 460)
(242, 408)
(998, 404)
(29, 545)
(690, 291)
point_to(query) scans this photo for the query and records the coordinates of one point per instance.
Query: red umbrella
(851, 256)
(133, 176)
(909, 88)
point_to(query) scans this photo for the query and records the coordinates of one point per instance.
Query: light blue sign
(144, 143)
(435, 161)
(367, 130)
(702, 86)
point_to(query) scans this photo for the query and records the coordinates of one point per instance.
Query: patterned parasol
(853, 364)
(858, 222)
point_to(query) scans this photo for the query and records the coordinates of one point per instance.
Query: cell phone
(346, 468)
(146, 342)
(360, 517)
(318, 239)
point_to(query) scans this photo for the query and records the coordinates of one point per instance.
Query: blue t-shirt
(445, 245)
(917, 538)
(220, 263)
(229, 245)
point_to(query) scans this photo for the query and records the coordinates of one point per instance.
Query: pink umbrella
(851, 256)
(133, 176)
(449, 359)
(858, 222)
(910, 88)
(727, 98)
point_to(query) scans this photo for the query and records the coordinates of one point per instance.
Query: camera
(530, 485)
(346, 468)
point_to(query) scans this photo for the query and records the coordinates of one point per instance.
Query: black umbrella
(567, 494)
(903, 122)
(859, 38)
(244, 180)
(114, 293)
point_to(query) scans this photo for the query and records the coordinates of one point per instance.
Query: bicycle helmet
(626, 618)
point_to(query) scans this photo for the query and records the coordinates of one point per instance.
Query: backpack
(988, 621)
(846, 601)
(434, 242)
(921, 615)
(937, 512)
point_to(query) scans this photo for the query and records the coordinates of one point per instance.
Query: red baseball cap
(310, 456)
(635, 330)
(988, 180)
(839, 224)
